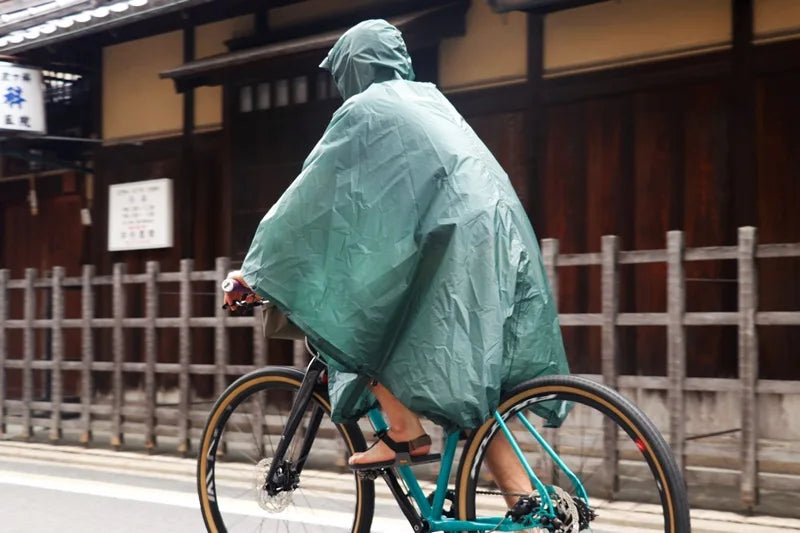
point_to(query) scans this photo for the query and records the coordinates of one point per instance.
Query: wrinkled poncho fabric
(403, 252)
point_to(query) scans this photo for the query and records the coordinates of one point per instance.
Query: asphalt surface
(47, 497)
(70, 489)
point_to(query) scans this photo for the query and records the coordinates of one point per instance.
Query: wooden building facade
(620, 117)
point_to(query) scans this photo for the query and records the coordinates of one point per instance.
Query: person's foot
(381, 451)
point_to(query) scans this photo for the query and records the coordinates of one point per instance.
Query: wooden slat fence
(183, 421)
(747, 317)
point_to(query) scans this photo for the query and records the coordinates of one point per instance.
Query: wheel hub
(567, 517)
(274, 499)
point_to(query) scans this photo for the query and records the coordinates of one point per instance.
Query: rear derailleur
(572, 515)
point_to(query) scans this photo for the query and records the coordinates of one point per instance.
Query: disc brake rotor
(271, 504)
(567, 515)
(567, 511)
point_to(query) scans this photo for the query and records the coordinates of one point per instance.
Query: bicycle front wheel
(236, 450)
(620, 458)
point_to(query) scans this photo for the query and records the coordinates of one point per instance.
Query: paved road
(70, 490)
(43, 496)
(39, 496)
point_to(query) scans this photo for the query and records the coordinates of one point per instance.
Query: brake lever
(244, 304)
(231, 285)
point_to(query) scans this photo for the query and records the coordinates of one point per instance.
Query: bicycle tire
(273, 379)
(667, 481)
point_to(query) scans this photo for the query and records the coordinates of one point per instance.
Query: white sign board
(21, 99)
(140, 215)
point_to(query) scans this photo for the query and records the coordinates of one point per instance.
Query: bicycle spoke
(237, 426)
(238, 495)
(235, 523)
(252, 427)
(580, 446)
(303, 495)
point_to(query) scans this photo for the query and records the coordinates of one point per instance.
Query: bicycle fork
(313, 372)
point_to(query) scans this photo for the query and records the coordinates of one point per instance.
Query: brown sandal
(402, 452)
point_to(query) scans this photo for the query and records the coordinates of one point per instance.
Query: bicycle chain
(500, 493)
(585, 513)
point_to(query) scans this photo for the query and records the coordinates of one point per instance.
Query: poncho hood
(370, 52)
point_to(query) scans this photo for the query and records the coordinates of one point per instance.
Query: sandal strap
(407, 446)
(419, 442)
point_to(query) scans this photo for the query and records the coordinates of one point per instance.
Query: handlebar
(231, 285)
(243, 304)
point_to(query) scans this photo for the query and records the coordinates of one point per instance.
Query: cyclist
(404, 254)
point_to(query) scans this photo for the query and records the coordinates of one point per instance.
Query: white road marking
(189, 500)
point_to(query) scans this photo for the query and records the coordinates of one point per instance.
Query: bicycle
(285, 409)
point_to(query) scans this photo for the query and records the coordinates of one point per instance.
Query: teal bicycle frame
(432, 513)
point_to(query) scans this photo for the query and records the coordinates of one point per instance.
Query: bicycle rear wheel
(625, 465)
(241, 434)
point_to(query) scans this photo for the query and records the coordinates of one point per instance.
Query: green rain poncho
(403, 252)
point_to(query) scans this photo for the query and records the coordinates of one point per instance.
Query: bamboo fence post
(187, 265)
(259, 360)
(150, 353)
(118, 347)
(3, 347)
(550, 259)
(57, 351)
(221, 345)
(676, 345)
(87, 352)
(748, 364)
(610, 309)
(28, 342)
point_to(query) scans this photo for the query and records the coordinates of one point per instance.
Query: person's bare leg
(404, 426)
(507, 471)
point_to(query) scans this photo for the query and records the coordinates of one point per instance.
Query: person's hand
(245, 293)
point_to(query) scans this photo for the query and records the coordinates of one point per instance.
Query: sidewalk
(625, 514)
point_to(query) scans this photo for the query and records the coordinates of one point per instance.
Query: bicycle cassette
(567, 519)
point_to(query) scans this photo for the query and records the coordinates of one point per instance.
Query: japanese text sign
(140, 215)
(21, 99)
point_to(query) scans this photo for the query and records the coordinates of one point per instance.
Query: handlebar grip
(231, 285)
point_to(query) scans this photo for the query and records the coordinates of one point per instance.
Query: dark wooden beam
(261, 19)
(188, 96)
(540, 7)
(187, 186)
(569, 88)
(421, 29)
(742, 113)
(384, 9)
(96, 76)
(499, 99)
(226, 195)
(536, 127)
(776, 57)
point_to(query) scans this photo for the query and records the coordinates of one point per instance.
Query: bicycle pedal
(369, 475)
(416, 461)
